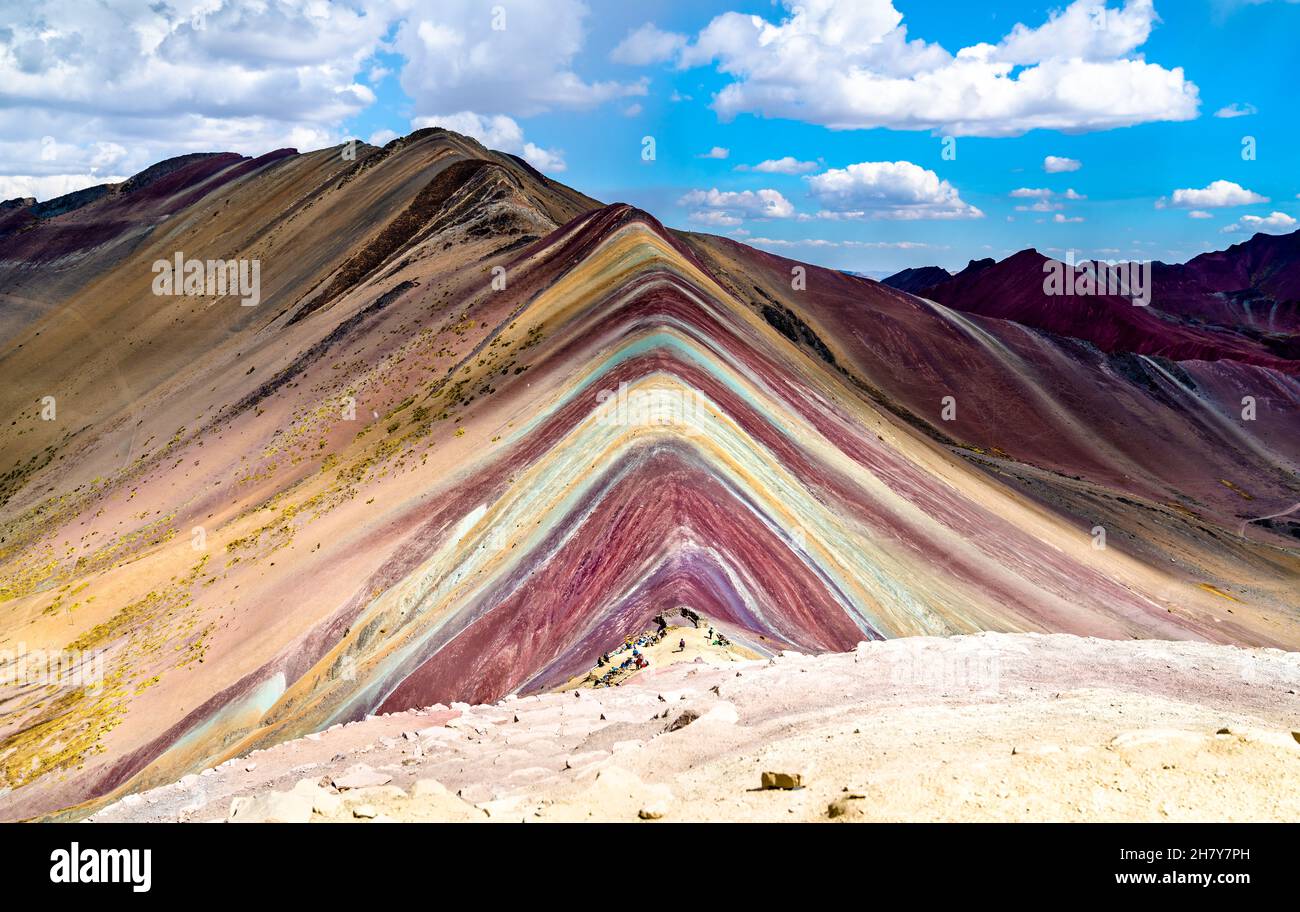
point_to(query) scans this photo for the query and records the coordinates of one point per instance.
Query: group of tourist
(610, 668)
(633, 659)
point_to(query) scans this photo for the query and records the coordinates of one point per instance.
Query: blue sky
(859, 95)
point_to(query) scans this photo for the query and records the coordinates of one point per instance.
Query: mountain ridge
(520, 425)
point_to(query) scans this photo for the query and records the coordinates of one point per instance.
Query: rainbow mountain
(479, 427)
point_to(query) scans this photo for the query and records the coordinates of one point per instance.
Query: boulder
(428, 788)
(775, 780)
(360, 776)
(271, 807)
(326, 804)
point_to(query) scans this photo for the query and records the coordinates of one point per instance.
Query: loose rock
(773, 780)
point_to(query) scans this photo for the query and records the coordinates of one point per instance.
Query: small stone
(365, 812)
(773, 780)
(844, 807)
(684, 719)
(656, 810)
(250, 767)
(411, 736)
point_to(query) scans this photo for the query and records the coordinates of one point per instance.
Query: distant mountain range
(1240, 304)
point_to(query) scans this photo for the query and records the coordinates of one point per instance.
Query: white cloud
(1031, 193)
(457, 61)
(715, 217)
(736, 205)
(1045, 200)
(1276, 223)
(1199, 214)
(1236, 110)
(149, 80)
(1217, 195)
(786, 165)
(1064, 219)
(632, 110)
(49, 186)
(887, 190)
(716, 152)
(119, 86)
(849, 64)
(647, 44)
(499, 132)
(1054, 164)
(382, 137)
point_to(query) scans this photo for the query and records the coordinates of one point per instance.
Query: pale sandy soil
(987, 727)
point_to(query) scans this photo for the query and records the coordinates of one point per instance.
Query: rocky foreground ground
(987, 727)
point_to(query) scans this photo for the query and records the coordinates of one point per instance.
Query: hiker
(710, 633)
(681, 645)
